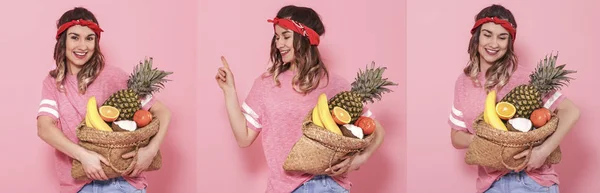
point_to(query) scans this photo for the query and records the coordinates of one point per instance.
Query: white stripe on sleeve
(146, 100)
(48, 110)
(249, 110)
(48, 102)
(456, 112)
(552, 99)
(457, 122)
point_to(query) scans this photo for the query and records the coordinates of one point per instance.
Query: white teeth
(491, 51)
(80, 53)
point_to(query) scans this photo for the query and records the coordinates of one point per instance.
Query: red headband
(93, 26)
(504, 23)
(297, 27)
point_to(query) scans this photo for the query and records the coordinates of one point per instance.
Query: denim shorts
(320, 184)
(519, 183)
(114, 185)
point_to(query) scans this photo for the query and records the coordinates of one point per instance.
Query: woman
(493, 65)
(81, 73)
(296, 78)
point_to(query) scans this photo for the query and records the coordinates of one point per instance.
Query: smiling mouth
(283, 53)
(491, 52)
(80, 55)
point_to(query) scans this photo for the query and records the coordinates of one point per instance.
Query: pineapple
(545, 78)
(142, 82)
(367, 86)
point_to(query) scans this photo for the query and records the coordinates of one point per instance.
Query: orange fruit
(546, 112)
(340, 116)
(108, 113)
(367, 124)
(142, 117)
(539, 118)
(505, 110)
(358, 120)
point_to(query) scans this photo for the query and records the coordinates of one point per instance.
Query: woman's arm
(163, 114)
(90, 160)
(52, 135)
(243, 135)
(461, 139)
(568, 114)
(377, 140)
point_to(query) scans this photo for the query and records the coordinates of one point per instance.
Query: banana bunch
(92, 117)
(489, 113)
(322, 117)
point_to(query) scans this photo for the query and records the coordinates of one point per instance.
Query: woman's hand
(145, 156)
(537, 158)
(224, 77)
(338, 169)
(91, 165)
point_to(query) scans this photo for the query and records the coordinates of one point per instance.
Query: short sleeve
(456, 118)
(147, 102)
(367, 112)
(552, 100)
(253, 105)
(48, 104)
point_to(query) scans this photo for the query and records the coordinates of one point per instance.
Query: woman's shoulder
(113, 70)
(49, 81)
(113, 73)
(520, 76)
(262, 79)
(462, 79)
(337, 79)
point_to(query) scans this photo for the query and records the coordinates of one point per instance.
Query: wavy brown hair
(307, 59)
(500, 72)
(91, 68)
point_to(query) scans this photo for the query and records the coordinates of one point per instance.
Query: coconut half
(521, 124)
(356, 131)
(127, 125)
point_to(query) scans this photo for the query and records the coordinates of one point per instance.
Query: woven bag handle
(137, 148)
(520, 166)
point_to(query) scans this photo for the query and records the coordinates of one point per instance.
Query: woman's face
(80, 44)
(284, 41)
(493, 42)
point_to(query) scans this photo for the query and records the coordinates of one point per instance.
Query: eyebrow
(492, 33)
(89, 35)
(286, 32)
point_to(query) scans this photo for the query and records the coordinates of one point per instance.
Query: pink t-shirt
(68, 109)
(278, 113)
(469, 103)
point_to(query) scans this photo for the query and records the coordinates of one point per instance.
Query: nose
(494, 43)
(279, 43)
(82, 44)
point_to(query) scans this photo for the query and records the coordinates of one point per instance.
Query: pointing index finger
(224, 61)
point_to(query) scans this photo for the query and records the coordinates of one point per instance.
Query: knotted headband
(90, 24)
(297, 27)
(504, 23)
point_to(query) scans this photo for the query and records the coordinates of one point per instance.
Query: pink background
(357, 32)
(133, 30)
(438, 34)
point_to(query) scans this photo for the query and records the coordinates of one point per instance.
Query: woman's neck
(73, 69)
(484, 66)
